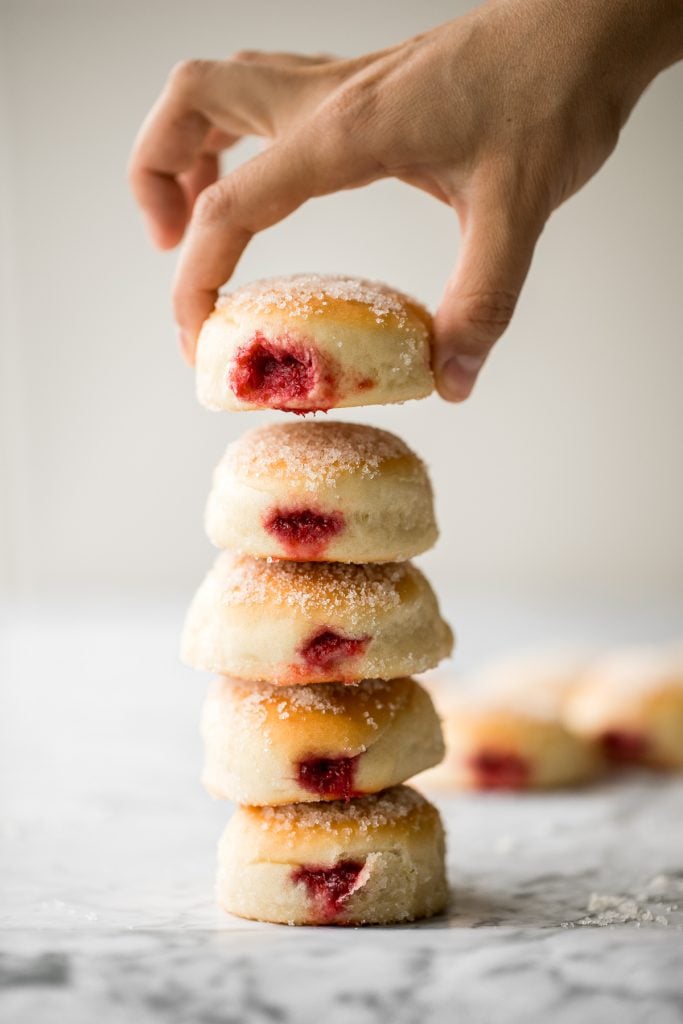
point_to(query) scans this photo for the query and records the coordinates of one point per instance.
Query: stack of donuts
(313, 617)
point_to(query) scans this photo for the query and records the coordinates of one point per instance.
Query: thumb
(481, 295)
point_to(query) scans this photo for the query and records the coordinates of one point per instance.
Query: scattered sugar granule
(302, 295)
(339, 816)
(606, 910)
(318, 453)
(330, 587)
(250, 701)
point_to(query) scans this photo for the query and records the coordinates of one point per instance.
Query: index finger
(168, 143)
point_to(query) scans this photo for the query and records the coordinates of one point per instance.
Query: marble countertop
(565, 907)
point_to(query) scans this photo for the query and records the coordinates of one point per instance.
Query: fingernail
(458, 375)
(186, 347)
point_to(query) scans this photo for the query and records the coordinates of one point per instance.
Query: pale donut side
(333, 492)
(307, 622)
(373, 860)
(277, 745)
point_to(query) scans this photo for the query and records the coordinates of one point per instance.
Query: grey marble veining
(566, 907)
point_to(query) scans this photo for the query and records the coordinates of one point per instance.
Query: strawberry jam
(330, 777)
(329, 888)
(328, 649)
(282, 374)
(303, 533)
(624, 746)
(492, 770)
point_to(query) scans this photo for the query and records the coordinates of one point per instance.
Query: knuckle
(246, 56)
(488, 313)
(213, 204)
(352, 106)
(185, 75)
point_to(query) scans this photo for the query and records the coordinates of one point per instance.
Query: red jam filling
(329, 777)
(624, 746)
(303, 533)
(282, 374)
(329, 888)
(492, 770)
(327, 649)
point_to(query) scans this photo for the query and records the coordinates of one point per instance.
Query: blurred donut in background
(630, 702)
(504, 728)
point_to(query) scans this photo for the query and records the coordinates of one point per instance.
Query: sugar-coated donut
(332, 492)
(631, 703)
(269, 744)
(373, 860)
(314, 622)
(311, 342)
(503, 730)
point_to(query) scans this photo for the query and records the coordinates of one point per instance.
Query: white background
(560, 478)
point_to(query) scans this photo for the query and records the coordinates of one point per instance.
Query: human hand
(501, 114)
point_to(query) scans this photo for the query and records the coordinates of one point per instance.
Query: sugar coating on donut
(257, 699)
(338, 818)
(302, 296)
(304, 585)
(317, 453)
(325, 698)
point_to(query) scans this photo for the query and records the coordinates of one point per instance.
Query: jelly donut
(278, 745)
(373, 860)
(309, 342)
(504, 731)
(631, 703)
(331, 492)
(313, 622)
